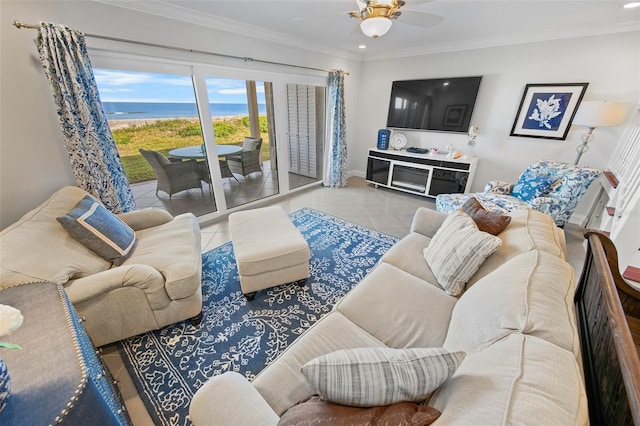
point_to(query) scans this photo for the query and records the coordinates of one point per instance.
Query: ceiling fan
(375, 16)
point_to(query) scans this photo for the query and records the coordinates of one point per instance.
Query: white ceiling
(325, 26)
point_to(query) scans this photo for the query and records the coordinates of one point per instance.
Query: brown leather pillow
(315, 411)
(491, 222)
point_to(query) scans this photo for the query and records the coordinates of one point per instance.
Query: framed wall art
(547, 110)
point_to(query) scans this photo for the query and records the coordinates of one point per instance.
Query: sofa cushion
(398, 300)
(518, 380)
(457, 250)
(366, 377)
(531, 294)
(491, 222)
(178, 262)
(39, 232)
(528, 230)
(315, 411)
(407, 255)
(95, 227)
(531, 185)
(282, 384)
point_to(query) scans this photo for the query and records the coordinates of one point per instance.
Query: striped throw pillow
(368, 377)
(457, 250)
(99, 230)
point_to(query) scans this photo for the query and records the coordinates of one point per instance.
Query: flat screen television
(438, 104)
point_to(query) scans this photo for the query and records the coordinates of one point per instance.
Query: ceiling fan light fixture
(375, 27)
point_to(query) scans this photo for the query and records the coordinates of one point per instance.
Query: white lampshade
(600, 114)
(376, 26)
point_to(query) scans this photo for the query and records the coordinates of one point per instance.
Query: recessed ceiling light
(632, 5)
(362, 46)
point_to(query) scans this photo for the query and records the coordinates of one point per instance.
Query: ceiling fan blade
(419, 19)
(416, 2)
(321, 17)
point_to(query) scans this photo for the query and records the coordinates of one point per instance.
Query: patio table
(195, 152)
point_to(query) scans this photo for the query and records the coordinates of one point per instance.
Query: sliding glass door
(155, 124)
(243, 119)
(217, 128)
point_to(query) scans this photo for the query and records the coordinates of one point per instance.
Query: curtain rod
(20, 25)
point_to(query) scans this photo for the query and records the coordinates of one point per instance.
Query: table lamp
(594, 114)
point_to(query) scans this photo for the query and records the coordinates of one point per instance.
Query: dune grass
(165, 135)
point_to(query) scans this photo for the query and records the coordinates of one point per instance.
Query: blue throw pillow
(99, 230)
(531, 185)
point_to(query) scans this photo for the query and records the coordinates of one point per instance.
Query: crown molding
(507, 40)
(166, 10)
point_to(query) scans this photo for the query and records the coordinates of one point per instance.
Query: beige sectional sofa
(515, 322)
(158, 284)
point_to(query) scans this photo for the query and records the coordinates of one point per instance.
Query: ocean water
(138, 110)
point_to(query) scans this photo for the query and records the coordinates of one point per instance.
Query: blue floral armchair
(551, 187)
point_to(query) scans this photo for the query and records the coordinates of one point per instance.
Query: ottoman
(269, 249)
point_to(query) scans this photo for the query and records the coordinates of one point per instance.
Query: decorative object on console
(594, 114)
(416, 150)
(383, 139)
(398, 141)
(546, 110)
(472, 133)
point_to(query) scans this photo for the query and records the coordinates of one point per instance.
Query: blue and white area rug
(169, 365)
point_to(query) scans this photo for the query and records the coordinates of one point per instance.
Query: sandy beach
(128, 122)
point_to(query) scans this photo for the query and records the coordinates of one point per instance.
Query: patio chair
(552, 187)
(248, 160)
(173, 177)
(205, 174)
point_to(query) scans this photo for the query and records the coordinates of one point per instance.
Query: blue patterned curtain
(337, 173)
(94, 158)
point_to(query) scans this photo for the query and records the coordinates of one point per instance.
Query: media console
(423, 174)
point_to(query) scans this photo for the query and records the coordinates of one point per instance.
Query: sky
(130, 86)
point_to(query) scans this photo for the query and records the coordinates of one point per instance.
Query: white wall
(610, 64)
(33, 160)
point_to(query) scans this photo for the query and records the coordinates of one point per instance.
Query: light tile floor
(385, 210)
